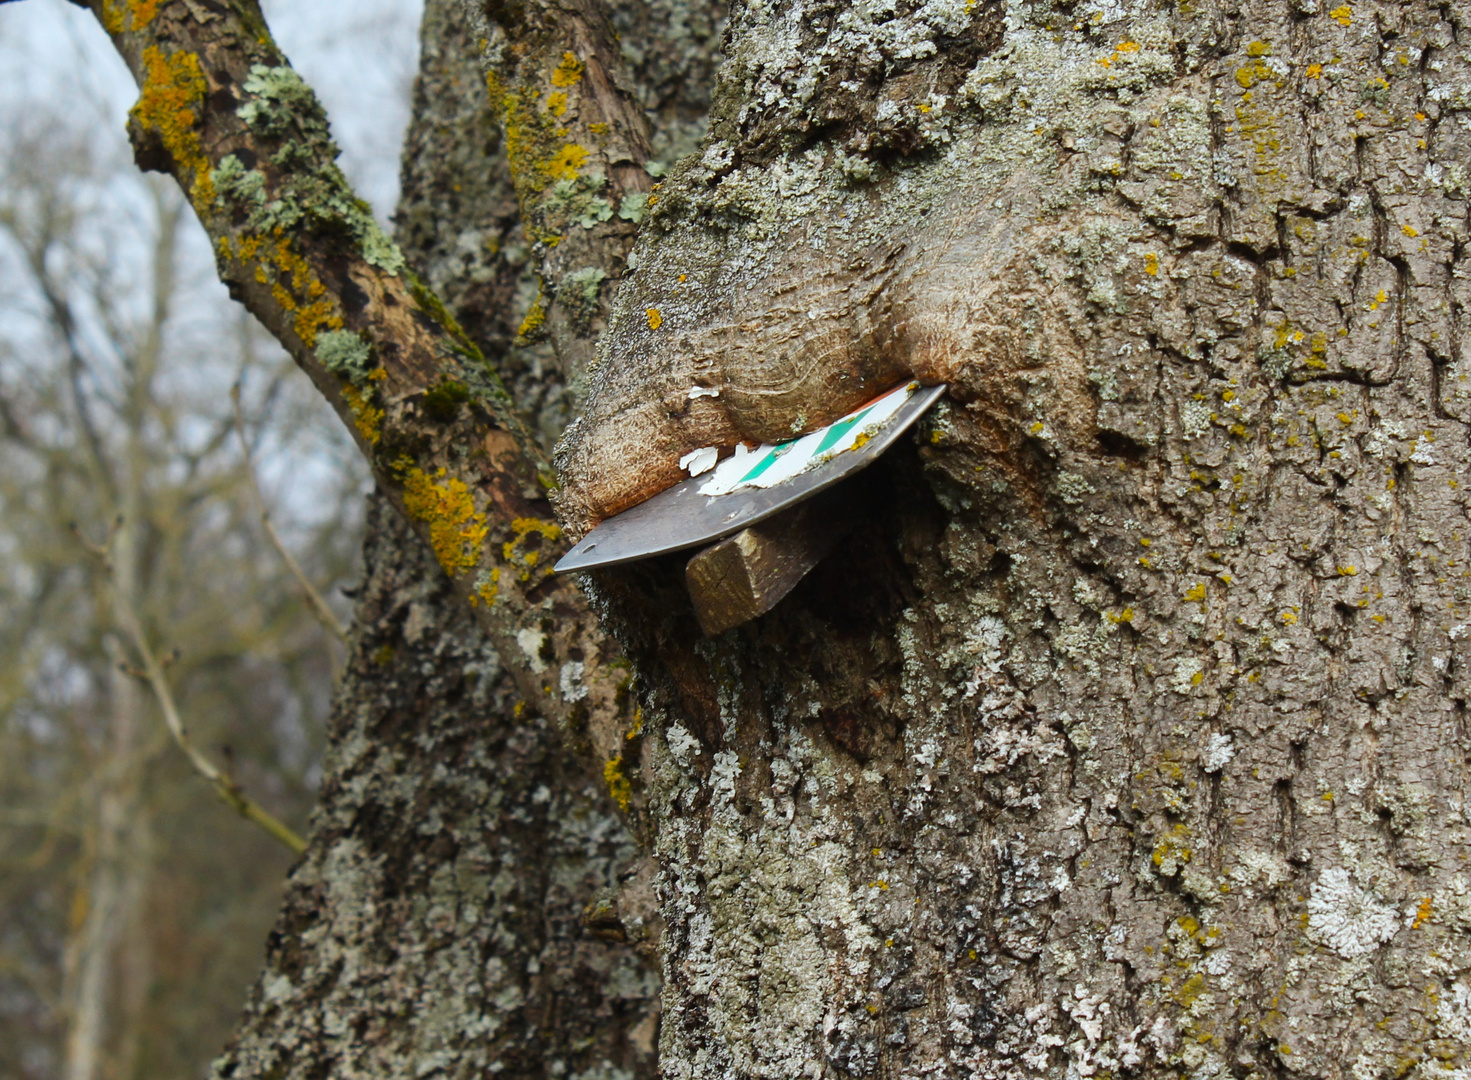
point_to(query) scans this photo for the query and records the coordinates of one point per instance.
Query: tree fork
(221, 111)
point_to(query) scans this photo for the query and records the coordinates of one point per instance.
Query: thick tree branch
(223, 112)
(577, 144)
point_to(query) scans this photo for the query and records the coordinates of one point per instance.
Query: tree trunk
(1126, 735)
(461, 842)
(1129, 735)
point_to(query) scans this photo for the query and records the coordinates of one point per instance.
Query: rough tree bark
(465, 834)
(1126, 737)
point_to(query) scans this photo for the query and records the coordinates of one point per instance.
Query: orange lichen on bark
(173, 88)
(366, 416)
(563, 165)
(143, 12)
(516, 551)
(568, 72)
(294, 286)
(619, 786)
(116, 17)
(444, 503)
(112, 17)
(487, 587)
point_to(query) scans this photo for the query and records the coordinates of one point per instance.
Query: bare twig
(324, 614)
(152, 672)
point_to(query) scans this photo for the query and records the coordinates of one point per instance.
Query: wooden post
(747, 574)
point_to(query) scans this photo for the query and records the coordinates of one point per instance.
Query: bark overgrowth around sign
(1124, 737)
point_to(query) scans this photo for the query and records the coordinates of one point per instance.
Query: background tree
(132, 901)
(1139, 747)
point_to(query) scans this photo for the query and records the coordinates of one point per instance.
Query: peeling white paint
(701, 460)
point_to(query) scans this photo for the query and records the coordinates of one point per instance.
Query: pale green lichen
(235, 184)
(281, 102)
(633, 206)
(379, 250)
(576, 201)
(311, 192)
(344, 353)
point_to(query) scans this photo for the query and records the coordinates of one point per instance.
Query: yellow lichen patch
(1343, 14)
(173, 85)
(1190, 993)
(1196, 593)
(655, 319)
(312, 318)
(1169, 853)
(366, 417)
(1409, 230)
(516, 551)
(1126, 47)
(1422, 913)
(563, 165)
(535, 145)
(487, 587)
(619, 786)
(276, 265)
(536, 316)
(1151, 264)
(112, 17)
(456, 528)
(568, 72)
(522, 527)
(1248, 75)
(143, 12)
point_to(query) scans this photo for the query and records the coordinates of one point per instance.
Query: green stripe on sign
(766, 462)
(838, 430)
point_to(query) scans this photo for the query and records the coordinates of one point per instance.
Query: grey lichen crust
(1126, 738)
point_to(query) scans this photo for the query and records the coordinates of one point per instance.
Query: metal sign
(751, 486)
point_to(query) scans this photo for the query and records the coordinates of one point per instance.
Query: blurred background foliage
(134, 903)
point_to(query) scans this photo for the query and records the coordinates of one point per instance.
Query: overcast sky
(61, 80)
(360, 56)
